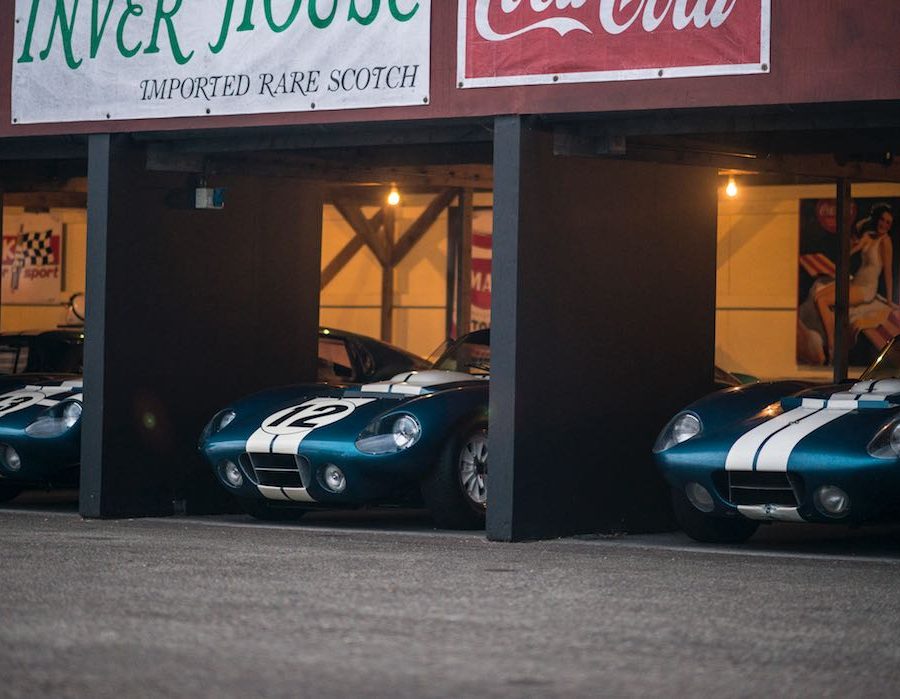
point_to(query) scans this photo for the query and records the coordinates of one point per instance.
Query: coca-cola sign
(521, 42)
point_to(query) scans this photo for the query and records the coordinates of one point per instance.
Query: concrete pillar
(186, 310)
(603, 295)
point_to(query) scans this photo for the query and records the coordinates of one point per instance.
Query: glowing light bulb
(394, 197)
(731, 188)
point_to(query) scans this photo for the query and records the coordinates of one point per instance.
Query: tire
(8, 491)
(456, 489)
(267, 513)
(707, 528)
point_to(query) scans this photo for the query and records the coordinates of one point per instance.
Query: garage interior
(603, 289)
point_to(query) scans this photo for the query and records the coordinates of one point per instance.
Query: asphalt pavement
(379, 604)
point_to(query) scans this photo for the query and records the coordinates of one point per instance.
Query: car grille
(279, 470)
(761, 488)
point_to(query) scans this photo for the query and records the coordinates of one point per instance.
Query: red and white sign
(32, 259)
(527, 42)
(482, 239)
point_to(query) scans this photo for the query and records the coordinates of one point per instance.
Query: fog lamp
(699, 497)
(231, 474)
(11, 459)
(831, 501)
(333, 479)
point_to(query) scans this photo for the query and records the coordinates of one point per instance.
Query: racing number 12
(308, 417)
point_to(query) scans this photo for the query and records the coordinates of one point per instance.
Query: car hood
(814, 425)
(25, 396)
(376, 397)
(277, 420)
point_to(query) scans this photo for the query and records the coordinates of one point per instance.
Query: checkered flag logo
(34, 249)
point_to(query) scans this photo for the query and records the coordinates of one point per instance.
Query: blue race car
(786, 451)
(40, 410)
(420, 436)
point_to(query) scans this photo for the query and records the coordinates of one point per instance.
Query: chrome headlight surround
(684, 426)
(389, 434)
(886, 442)
(219, 422)
(57, 420)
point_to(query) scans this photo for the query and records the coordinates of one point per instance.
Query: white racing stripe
(259, 442)
(282, 432)
(774, 454)
(292, 426)
(743, 451)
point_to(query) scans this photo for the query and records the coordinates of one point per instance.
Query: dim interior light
(393, 197)
(731, 188)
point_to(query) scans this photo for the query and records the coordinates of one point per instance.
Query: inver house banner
(521, 42)
(83, 60)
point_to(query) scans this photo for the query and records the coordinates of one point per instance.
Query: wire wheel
(473, 461)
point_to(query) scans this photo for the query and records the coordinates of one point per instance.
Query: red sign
(826, 213)
(518, 42)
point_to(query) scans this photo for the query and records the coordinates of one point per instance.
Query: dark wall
(188, 309)
(603, 326)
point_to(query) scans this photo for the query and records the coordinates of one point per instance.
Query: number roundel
(308, 416)
(19, 400)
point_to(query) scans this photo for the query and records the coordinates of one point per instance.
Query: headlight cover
(886, 443)
(219, 422)
(681, 428)
(56, 420)
(389, 434)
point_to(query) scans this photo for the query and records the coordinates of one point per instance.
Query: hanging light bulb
(731, 188)
(394, 196)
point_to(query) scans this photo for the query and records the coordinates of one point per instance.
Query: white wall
(352, 300)
(758, 242)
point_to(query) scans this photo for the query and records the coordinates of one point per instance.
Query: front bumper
(872, 485)
(288, 479)
(45, 461)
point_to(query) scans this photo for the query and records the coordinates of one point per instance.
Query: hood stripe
(768, 446)
(777, 433)
(774, 455)
(743, 453)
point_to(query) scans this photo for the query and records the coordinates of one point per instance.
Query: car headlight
(56, 420)
(389, 434)
(886, 444)
(219, 422)
(681, 428)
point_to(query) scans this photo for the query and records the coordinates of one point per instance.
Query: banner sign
(123, 59)
(529, 42)
(482, 254)
(32, 259)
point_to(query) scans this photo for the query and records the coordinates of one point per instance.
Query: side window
(13, 358)
(334, 360)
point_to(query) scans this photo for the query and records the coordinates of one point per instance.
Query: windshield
(887, 365)
(470, 354)
(53, 351)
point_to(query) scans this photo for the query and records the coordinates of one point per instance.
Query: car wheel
(8, 491)
(266, 512)
(456, 489)
(707, 528)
